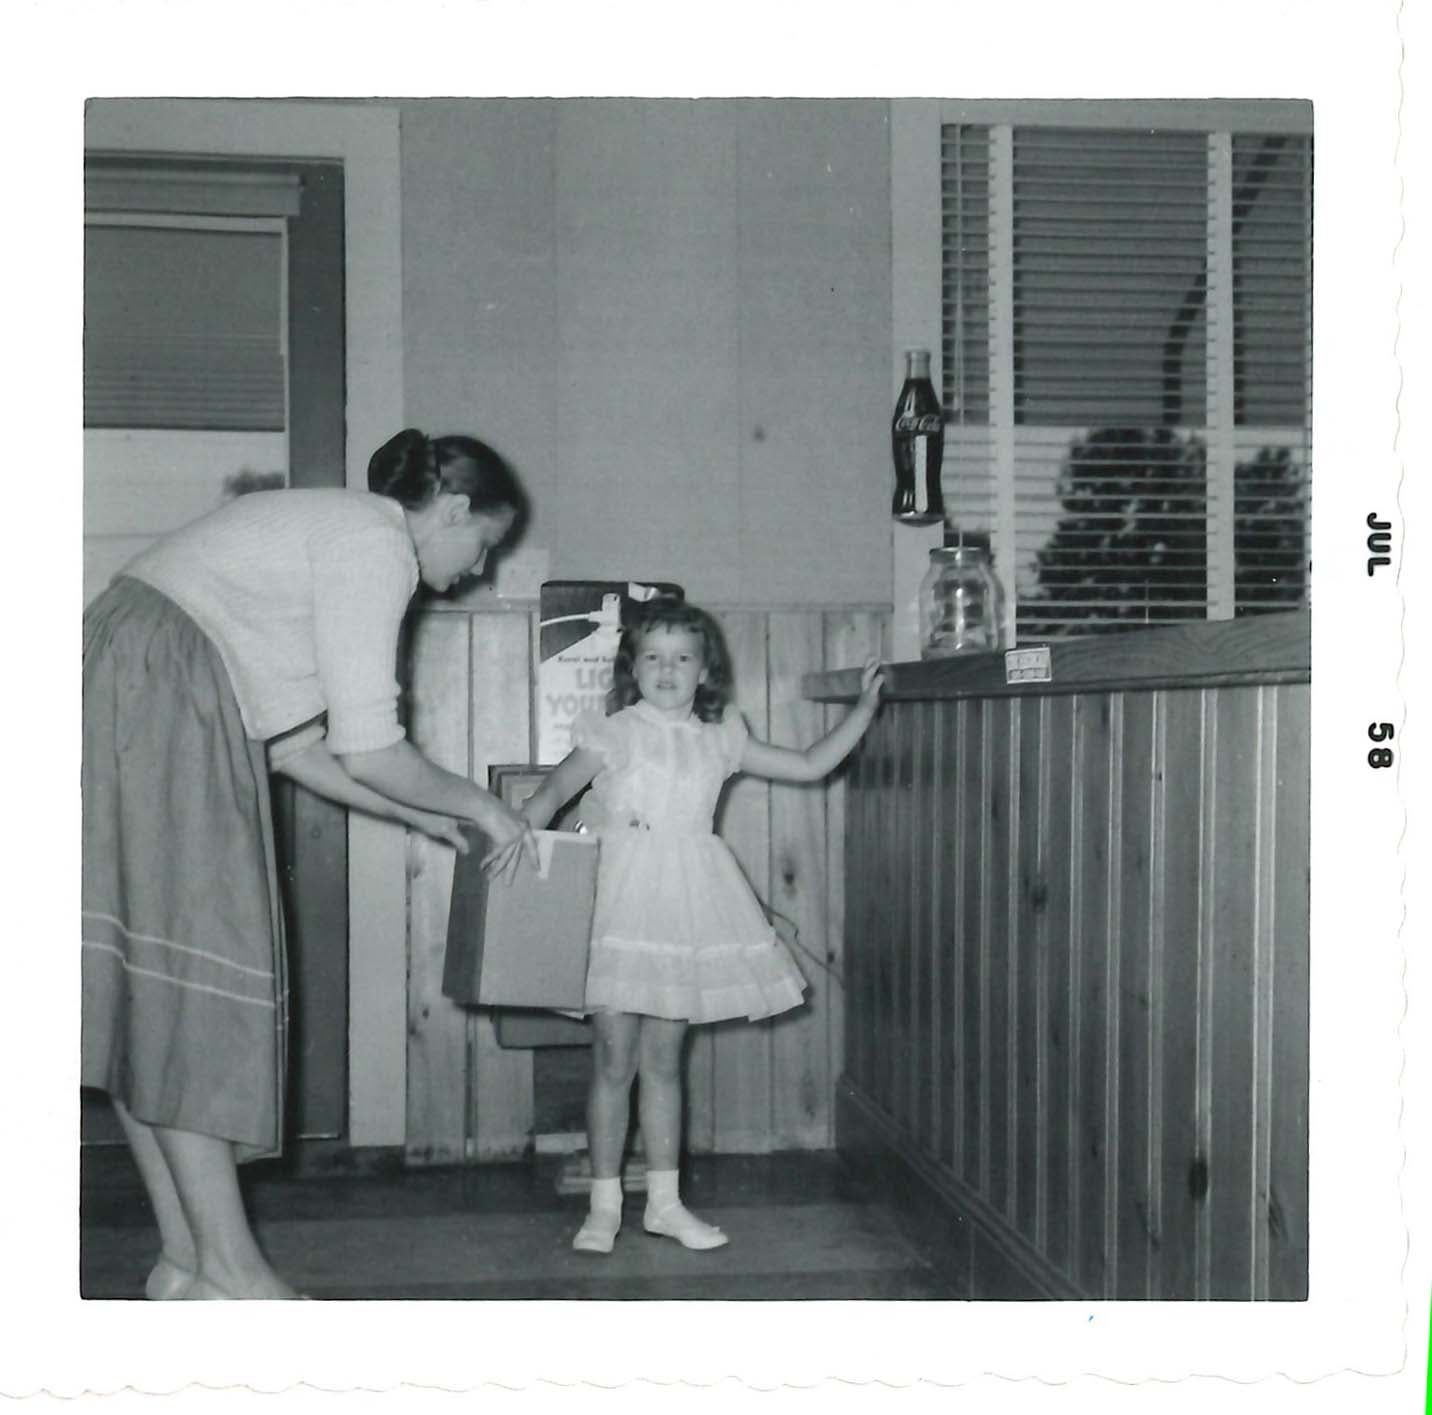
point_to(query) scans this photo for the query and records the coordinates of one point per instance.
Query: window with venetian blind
(184, 298)
(1126, 352)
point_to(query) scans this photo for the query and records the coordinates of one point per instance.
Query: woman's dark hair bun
(413, 468)
(405, 468)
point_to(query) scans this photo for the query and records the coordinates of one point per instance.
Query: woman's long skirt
(185, 993)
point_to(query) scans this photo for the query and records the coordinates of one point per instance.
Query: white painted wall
(674, 318)
(141, 482)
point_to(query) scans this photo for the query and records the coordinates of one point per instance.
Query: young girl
(678, 936)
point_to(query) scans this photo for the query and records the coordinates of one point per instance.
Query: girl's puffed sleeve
(594, 732)
(734, 735)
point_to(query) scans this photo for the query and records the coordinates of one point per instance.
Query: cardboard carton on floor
(523, 942)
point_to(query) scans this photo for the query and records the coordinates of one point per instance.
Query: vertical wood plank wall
(1076, 978)
(752, 1087)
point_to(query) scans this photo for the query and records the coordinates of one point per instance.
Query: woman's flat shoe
(167, 1281)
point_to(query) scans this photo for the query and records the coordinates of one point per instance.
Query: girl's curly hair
(668, 612)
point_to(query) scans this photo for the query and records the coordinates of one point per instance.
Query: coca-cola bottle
(917, 439)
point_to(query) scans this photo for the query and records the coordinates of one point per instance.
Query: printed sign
(1031, 665)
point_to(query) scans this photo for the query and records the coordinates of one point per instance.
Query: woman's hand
(447, 829)
(512, 838)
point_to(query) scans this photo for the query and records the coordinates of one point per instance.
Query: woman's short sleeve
(290, 744)
(734, 735)
(594, 732)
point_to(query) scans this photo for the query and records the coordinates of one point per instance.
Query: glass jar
(961, 603)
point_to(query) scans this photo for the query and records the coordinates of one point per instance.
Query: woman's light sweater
(303, 593)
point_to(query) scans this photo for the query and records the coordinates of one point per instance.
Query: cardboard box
(580, 624)
(523, 942)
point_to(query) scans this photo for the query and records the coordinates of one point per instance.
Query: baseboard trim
(976, 1244)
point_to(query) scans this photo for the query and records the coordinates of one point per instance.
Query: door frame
(365, 138)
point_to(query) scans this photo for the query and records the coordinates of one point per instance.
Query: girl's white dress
(678, 932)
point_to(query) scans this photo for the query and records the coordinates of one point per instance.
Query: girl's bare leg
(614, 1064)
(614, 1051)
(173, 1273)
(205, 1177)
(660, 1105)
(659, 1095)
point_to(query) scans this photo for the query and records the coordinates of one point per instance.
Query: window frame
(917, 288)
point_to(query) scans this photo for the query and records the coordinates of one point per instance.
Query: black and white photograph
(852, 560)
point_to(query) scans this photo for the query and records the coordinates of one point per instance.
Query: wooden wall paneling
(1235, 807)
(893, 962)
(850, 638)
(742, 1050)
(937, 1086)
(1028, 1159)
(1287, 1181)
(1264, 767)
(1199, 1170)
(1091, 814)
(861, 925)
(499, 1122)
(884, 941)
(437, 1028)
(700, 1097)
(1157, 1009)
(1118, 900)
(1135, 985)
(1111, 884)
(1184, 901)
(913, 935)
(977, 1097)
(1056, 740)
(835, 1013)
(925, 940)
(1005, 948)
(948, 1138)
(1072, 1011)
(802, 1095)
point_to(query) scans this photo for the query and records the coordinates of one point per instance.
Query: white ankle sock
(606, 1194)
(662, 1188)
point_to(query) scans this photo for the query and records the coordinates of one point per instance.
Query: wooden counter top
(1261, 648)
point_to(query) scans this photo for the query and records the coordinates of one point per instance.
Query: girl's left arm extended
(820, 758)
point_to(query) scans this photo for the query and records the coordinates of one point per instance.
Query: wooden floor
(802, 1226)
